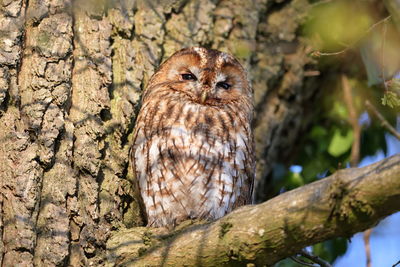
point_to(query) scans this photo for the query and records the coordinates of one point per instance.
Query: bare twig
(384, 30)
(353, 119)
(393, 6)
(333, 53)
(355, 149)
(322, 2)
(299, 261)
(317, 53)
(397, 263)
(311, 73)
(367, 235)
(384, 122)
(314, 258)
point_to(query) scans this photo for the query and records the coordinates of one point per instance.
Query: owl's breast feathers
(192, 161)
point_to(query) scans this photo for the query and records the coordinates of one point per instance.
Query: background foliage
(357, 40)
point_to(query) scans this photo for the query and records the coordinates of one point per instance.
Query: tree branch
(343, 204)
(384, 122)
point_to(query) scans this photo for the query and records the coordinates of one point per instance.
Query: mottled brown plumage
(193, 151)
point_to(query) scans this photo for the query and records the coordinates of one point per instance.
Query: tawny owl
(193, 151)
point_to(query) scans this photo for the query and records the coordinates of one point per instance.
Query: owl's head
(204, 76)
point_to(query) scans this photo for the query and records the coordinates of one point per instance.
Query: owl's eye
(189, 77)
(224, 85)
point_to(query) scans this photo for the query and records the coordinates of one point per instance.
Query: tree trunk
(71, 77)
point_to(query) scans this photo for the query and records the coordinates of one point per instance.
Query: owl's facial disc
(206, 85)
(207, 81)
(196, 88)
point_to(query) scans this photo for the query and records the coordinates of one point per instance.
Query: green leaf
(340, 144)
(339, 110)
(294, 180)
(331, 249)
(391, 99)
(333, 24)
(318, 132)
(315, 166)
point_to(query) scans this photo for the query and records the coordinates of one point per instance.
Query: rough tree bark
(71, 75)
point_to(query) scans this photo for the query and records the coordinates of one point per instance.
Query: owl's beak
(203, 97)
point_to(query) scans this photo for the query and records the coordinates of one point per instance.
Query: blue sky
(385, 246)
